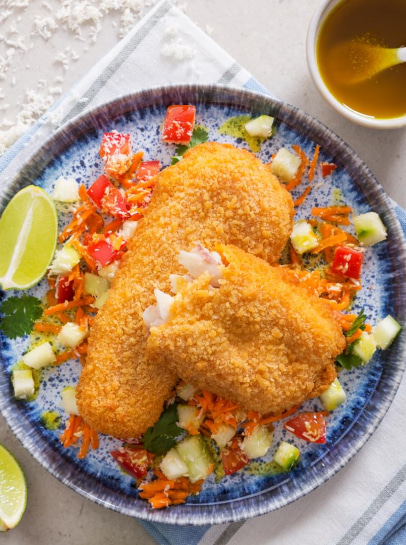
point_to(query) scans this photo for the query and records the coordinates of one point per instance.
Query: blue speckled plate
(73, 151)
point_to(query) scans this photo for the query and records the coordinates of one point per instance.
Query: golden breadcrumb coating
(258, 340)
(215, 193)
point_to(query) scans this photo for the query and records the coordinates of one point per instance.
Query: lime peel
(13, 491)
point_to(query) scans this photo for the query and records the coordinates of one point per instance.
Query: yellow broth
(376, 22)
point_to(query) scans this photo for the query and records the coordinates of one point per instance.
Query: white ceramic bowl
(319, 16)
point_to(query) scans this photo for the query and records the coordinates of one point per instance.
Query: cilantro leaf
(200, 135)
(162, 437)
(20, 314)
(357, 323)
(348, 361)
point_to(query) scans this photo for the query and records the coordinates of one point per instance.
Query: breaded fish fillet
(215, 193)
(258, 340)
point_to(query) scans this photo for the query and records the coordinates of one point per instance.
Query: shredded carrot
(78, 223)
(331, 210)
(64, 356)
(62, 317)
(78, 285)
(329, 242)
(146, 184)
(113, 226)
(85, 442)
(47, 328)
(164, 492)
(77, 428)
(79, 315)
(159, 485)
(138, 197)
(313, 163)
(90, 262)
(337, 218)
(68, 438)
(83, 194)
(82, 348)
(126, 179)
(300, 200)
(94, 439)
(295, 258)
(51, 299)
(69, 304)
(297, 180)
(354, 337)
(343, 304)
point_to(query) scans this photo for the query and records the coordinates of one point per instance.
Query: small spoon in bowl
(357, 61)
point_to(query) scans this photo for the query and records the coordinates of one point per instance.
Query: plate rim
(191, 513)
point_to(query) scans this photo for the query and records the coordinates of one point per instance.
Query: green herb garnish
(358, 323)
(162, 437)
(348, 361)
(200, 135)
(20, 313)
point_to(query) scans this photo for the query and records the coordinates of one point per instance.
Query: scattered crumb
(84, 21)
(175, 48)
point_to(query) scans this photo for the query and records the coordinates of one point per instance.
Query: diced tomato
(108, 198)
(347, 262)
(308, 426)
(133, 460)
(148, 169)
(115, 143)
(114, 203)
(98, 188)
(233, 458)
(64, 289)
(178, 124)
(103, 252)
(327, 169)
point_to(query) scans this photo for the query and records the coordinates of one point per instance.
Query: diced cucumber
(195, 454)
(108, 272)
(260, 126)
(190, 417)
(71, 335)
(257, 444)
(286, 455)
(164, 302)
(40, 356)
(95, 285)
(303, 237)
(333, 396)
(386, 331)
(172, 465)
(64, 261)
(186, 391)
(364, 347)
(23, 383)
(369, 228)
(66, 190)
(101, 300)
(224, 434)
(285, 165)
(69, 400)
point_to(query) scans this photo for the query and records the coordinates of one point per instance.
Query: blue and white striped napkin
(365, 503)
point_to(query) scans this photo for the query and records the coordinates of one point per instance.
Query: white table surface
(268, 38)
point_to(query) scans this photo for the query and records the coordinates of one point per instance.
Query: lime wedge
(28, 233)
(13, 491)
